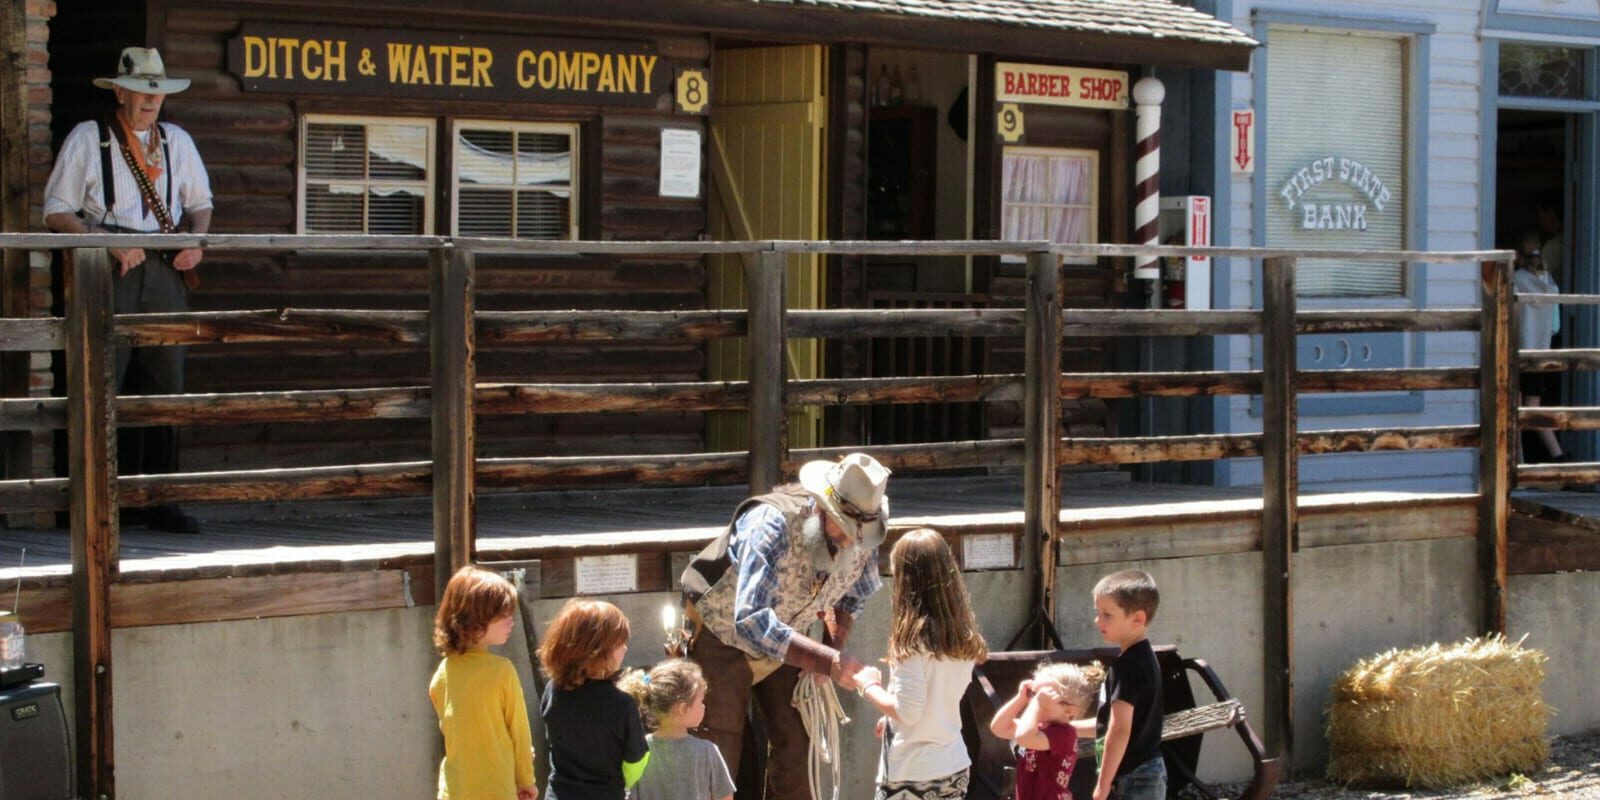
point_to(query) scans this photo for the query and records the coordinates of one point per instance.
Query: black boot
(170, 519)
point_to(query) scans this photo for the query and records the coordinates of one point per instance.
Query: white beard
(812, 533)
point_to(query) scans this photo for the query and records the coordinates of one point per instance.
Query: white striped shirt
(75, 182)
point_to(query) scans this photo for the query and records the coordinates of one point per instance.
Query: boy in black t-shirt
(1128, 725)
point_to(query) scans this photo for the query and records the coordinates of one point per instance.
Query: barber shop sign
(1334, 193)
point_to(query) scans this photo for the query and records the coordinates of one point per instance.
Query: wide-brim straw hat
(851, 491)
(140, 70)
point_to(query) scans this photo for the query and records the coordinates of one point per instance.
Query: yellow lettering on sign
(627, 74)
(439, 53)
(591, 66)
(311, 70)
(570, 71)
(458, 66)
(289, 47)
(272, 56)
(255, 57)
(399, 61)
(526, 62)
(419, 66)
(482, 59)
(608, 78)
(649, 63)
(333, 65)
(549, 69)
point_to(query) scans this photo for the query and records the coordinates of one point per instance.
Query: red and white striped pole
(1147, 96)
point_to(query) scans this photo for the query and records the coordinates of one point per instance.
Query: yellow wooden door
(767, 116)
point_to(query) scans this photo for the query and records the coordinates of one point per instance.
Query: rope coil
(819, 708)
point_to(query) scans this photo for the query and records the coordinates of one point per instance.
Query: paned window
(516, 180)
(1049, 193)
(366, 175)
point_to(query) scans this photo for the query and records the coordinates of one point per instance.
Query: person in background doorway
(1536, 324)
(129, 173)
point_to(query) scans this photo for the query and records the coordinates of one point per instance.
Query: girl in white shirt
(933, 643)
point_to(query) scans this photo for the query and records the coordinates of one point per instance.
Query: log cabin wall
(249, 141)
(847, 216)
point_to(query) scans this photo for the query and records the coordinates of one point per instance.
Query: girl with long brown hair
(934, 642)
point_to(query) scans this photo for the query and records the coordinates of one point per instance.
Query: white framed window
(1050, 193)
(1335, 166)
(370, 175)
(517, 180)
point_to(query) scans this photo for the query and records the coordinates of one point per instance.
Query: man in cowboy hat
(808, 551)
(131, 174)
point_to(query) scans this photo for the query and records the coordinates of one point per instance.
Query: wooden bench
(1182, 726)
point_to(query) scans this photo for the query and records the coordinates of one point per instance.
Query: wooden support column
(451, 352)
(1280, 489)
(764, 353)
(1497, 440)
(16, 447)
(1041, 486)
(92, 486)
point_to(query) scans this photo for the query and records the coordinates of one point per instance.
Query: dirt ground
(1573, 771)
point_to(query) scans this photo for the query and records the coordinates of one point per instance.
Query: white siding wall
(1452, 179)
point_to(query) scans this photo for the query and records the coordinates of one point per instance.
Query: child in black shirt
(1128, 725)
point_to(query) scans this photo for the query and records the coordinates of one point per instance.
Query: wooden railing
(452, 329)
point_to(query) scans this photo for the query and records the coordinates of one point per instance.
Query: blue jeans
(1148, 781)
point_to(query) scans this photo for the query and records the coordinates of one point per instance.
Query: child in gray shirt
(672, 699)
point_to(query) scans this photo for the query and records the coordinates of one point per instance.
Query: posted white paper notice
(680, 163)
(988, 551)
(607, 574)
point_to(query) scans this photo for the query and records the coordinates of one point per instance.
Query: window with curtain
(1335, 161)
(1049, 193)
(516, 180)
(368, 175)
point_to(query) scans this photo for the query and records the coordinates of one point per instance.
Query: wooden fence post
(451, 344)
(764, 359)
(1041, 486)
(1497, 411)
(92, 484)
(1280, 490)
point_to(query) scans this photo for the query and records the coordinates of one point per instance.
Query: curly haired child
(672, 700)
(597, 744)
(488, 746)
(1038, 721)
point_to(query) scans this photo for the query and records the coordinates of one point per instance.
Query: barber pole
(1147, 96)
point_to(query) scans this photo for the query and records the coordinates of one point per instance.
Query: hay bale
(1439, 716)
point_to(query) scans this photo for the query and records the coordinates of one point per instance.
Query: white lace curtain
(1048, 196)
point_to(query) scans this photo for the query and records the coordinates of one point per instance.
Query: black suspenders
(108, 183)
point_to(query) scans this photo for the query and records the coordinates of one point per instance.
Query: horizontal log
(1153, 449)
(567, 472)
(924, 456)
(38, 494)
(395, 479)
(135, 605)
(18, 334)
(1442, 437)
(1146, 322)
(233, 408)
(1558, 360)
(910, 322)
(1583, 473)
(583, 398)
(269, 325)
(1559, 417)
(876, 391)
(524, 327)
(1381, 319)
(1406, 379)
(1114, 385)
(1560, 299)
(1208, 447)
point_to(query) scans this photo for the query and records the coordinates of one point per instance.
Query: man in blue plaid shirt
(807, 552)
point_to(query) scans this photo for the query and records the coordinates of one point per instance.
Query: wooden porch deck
(1144, 519)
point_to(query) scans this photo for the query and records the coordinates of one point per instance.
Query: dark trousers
(728, 695)
(151, 287)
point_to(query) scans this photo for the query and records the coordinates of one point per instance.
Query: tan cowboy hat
(140, 70)
(851, 490)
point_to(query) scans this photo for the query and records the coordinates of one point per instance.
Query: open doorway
(1534, 158)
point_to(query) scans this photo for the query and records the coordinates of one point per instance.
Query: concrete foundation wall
(335, 705)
